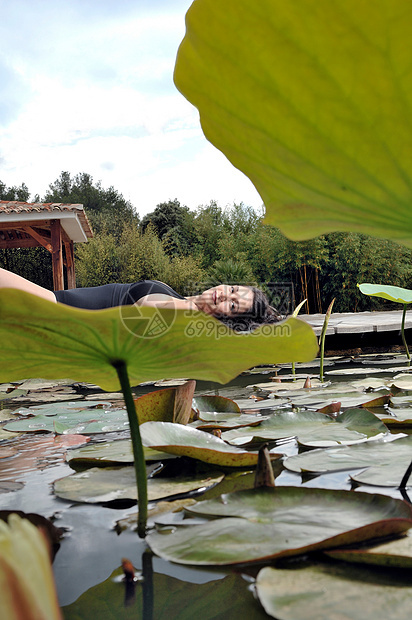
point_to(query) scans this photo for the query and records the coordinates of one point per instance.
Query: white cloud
(99, 98)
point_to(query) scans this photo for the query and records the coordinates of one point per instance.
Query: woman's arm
(158, 300)
(12, 280)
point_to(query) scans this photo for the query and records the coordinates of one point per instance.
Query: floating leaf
(226, 421)
(395, 553)
(286, 385)
(215, 403)
(174, 599)
(352, 457)
(323, 592)
(98, 485)
(187, 441)
(313, 429)
(54, 340)
(265, 523)
(400, 418)
(83, 421)
(312, 105)
(110, 453)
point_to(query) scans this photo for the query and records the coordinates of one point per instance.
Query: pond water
(91, 550)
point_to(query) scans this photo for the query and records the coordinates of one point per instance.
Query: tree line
(191, 250)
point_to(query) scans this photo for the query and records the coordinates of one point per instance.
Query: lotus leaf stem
(138, 453)
(408, 355)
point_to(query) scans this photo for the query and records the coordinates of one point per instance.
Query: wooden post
(57, 255)
(71, 276)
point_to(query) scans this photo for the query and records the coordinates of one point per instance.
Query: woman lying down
(239, 307)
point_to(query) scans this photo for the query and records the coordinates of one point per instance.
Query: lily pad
(311, 106)
(226, 421)
(186, 441)
(273, 386)
(110, 453)
(352, 457)
(214, 403)
(323, 592)
(394, 553)
(399, 418)
(85, 421)
(98, 485)
(312, 428)
(264, 523)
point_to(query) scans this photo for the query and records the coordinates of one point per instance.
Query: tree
(106, 209)
(173, 224)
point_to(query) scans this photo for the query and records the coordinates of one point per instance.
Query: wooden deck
(341, 323)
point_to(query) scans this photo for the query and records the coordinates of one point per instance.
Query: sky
(87, 86)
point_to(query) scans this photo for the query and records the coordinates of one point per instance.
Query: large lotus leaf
(264, 523)
(352, 457)
(392, 293)
(110, 453)
(395, 553)
(187, 441)
(313, 429)
(174, 599)
(311, 100)
(328, 591)
(54, 341)
(98, 485)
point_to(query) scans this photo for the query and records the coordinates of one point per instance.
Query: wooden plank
(19, 243)
(71, 276)
(30, 231)
(14, 225)
(57, 255)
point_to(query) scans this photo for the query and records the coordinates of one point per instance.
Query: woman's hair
(261, 313)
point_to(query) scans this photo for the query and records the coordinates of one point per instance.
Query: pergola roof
(72, 216)
(53, 225)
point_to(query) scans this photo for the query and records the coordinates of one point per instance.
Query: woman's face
(226, 300)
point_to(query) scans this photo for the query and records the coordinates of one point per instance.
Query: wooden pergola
(53, 225)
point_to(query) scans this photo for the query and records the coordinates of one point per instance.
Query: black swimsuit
(111, 295)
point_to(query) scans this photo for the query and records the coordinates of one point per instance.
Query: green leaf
(109, 453)
(174, 599)
(312, 428)
(323, 592)
(98, 485)
(187, 441)
(264, 523)
(40, 338)
(395, 553)
(312, 102)
(392, 293)
(352, 457)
